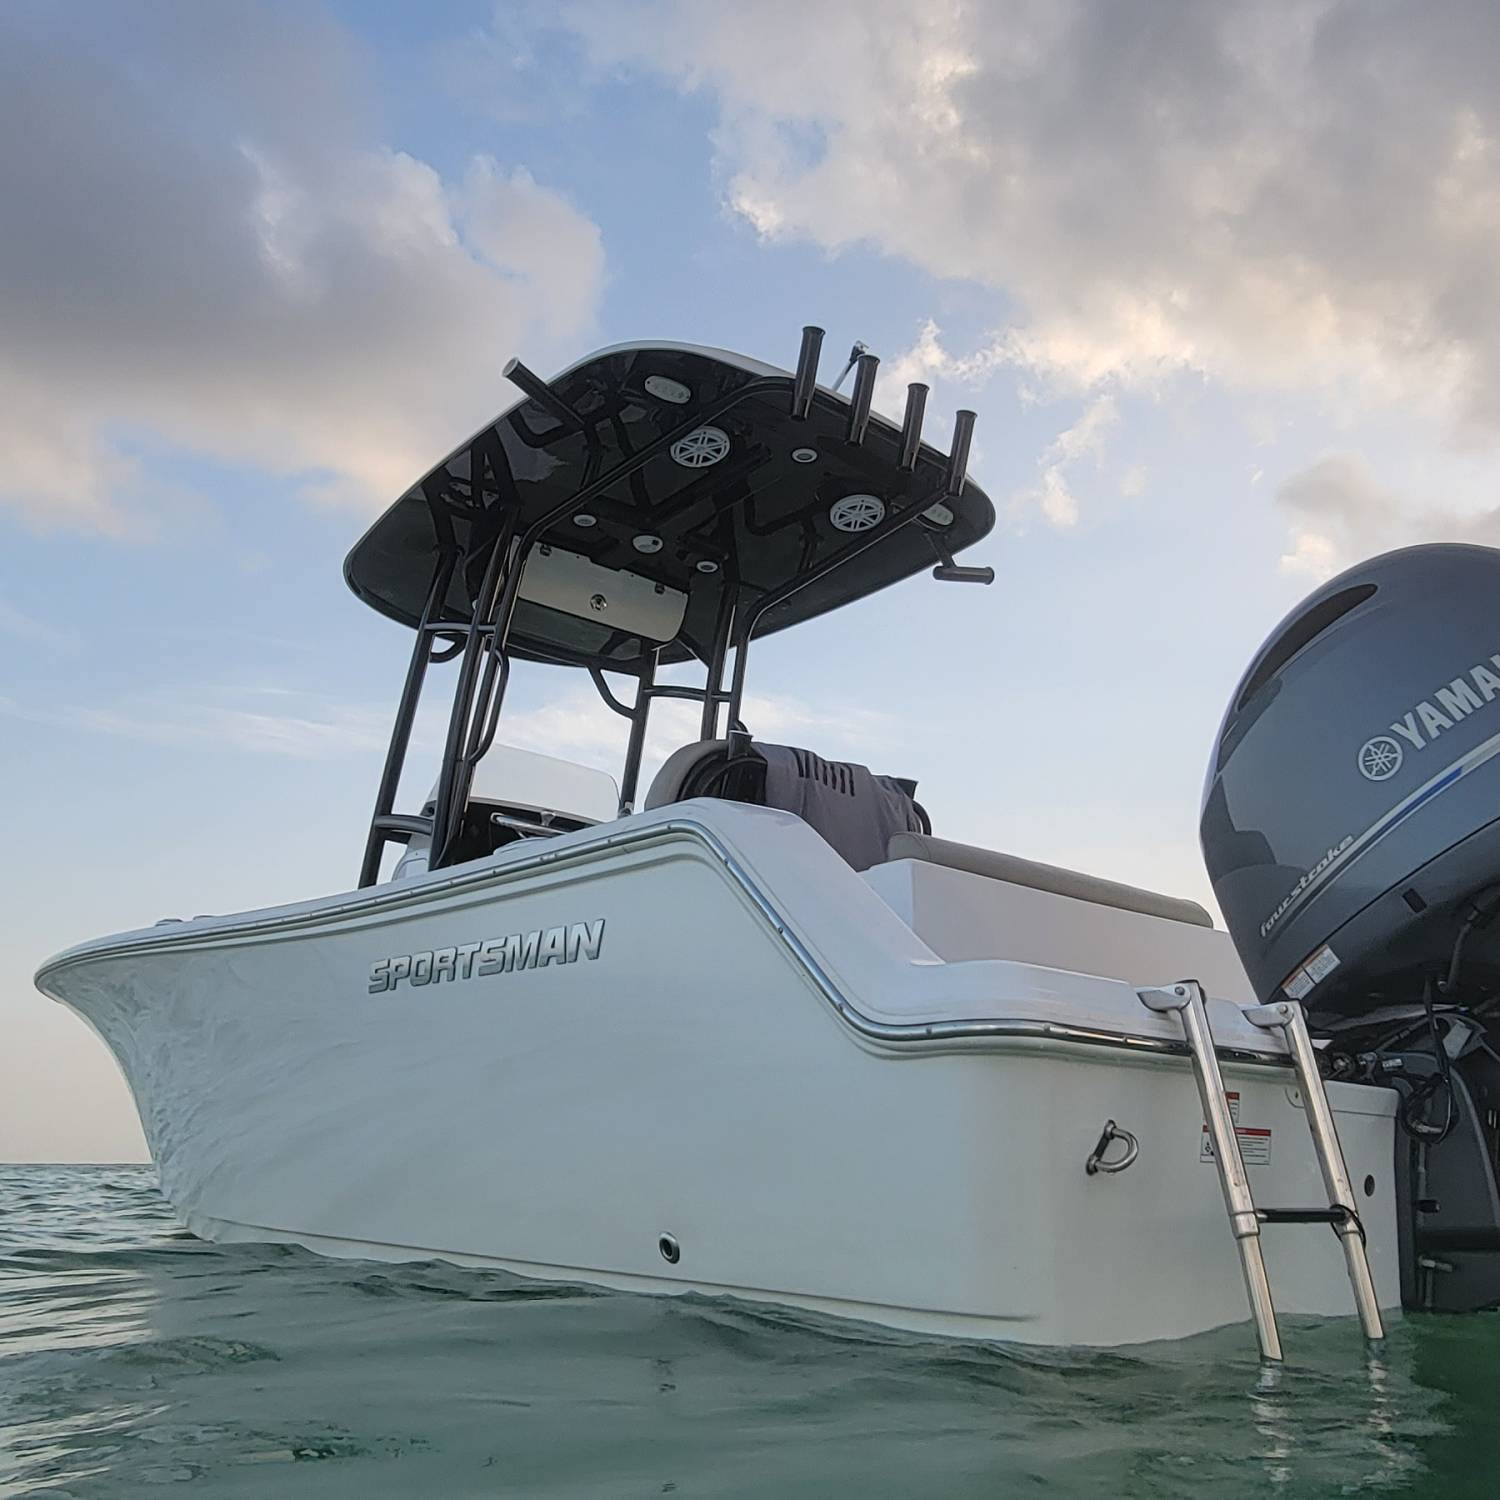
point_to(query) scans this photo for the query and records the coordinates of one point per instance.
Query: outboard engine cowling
(1351, 816)
(1351, 825)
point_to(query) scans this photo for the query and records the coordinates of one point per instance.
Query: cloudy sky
(1221, 282)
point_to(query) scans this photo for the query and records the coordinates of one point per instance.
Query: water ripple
(134, 1358)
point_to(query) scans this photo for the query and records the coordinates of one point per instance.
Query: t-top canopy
(661, 483)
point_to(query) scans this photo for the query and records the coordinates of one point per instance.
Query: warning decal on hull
(1255, 1146)
(1255, 1142)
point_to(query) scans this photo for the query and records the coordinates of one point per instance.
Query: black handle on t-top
(948, 571)
(911, 424)
(953, 573)
(864, 391)
(542, 393)
(958, 454)
(806, 381)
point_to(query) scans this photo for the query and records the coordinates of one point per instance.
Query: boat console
(516, 794)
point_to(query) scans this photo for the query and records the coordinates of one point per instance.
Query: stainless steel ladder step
(1188, 1002)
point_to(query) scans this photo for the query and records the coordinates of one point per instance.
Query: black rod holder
(911, 424)
(807, 372)
(958, 455)
(542, 393)
(859, 401)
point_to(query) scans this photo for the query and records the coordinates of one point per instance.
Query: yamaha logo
(1380, 758)
(1449, 705)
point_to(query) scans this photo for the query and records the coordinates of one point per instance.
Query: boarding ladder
(1187, 1001)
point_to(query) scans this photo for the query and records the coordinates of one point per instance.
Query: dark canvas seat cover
(855, 811)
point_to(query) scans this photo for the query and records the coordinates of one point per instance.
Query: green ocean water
(136, 1360)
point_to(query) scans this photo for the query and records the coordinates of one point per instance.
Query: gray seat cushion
(667, 784)
(853, 810)
(1028, 872)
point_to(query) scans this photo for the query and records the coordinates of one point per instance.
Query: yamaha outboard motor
(1351, 826)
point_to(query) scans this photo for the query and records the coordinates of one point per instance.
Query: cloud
(578, 726)
(1296, 196)
(1339, 512)
(302, 725)
(1085, 439)
(208, 244)
(926, 361)
(260, 721)
(17, 623)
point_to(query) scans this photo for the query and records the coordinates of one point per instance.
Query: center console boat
(755, 1029)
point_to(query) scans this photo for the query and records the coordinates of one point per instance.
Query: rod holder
(911, 424)
(860, 398)
(958, 455)
(542, 393)
(806, 381)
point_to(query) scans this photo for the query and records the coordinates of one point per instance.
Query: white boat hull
(763, 1062)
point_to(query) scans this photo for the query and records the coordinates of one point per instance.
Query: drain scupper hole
(671, 1251)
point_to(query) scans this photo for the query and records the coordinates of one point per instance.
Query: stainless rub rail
(387, 899)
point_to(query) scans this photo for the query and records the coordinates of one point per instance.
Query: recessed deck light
(583, 518)
(646, 543)
(664, 388)
(707, 565)
(938, 514)
(804, 455)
